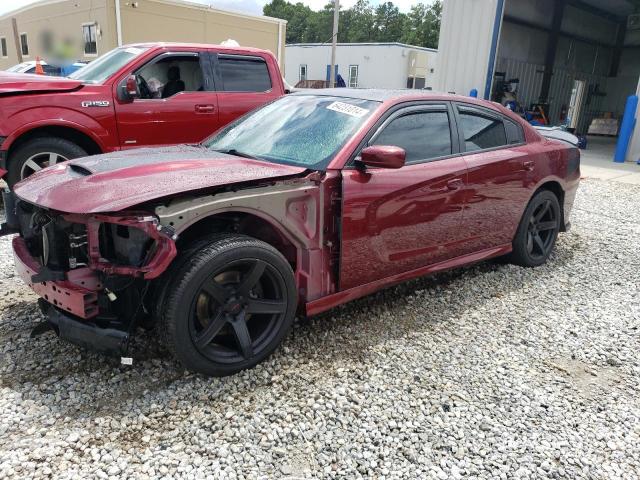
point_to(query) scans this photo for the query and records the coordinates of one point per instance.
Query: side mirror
(383, 156)
(130, 88)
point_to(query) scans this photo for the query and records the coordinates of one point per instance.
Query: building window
(3, 47)
(89, 39)
(302, 72)
(416, 82)
(24, 45)
(353, 76)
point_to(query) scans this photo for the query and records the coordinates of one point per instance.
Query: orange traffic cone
(39, 69)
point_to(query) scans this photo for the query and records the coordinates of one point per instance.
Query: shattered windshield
(301, 130)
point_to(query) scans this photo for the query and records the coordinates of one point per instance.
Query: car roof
(384, 95)
(391, 96)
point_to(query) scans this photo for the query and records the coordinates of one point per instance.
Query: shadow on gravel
(44, 365)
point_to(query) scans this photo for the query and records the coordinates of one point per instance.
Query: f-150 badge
(95, 103)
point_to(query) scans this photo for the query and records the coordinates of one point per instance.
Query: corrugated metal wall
(530, 76)
(465, 45)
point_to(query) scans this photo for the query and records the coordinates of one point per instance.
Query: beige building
(85, 29)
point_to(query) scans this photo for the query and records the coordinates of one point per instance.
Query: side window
(89, 39)
(481, 132)
(515, 134)
(24, 44)
(169, 75)
(244, 74)
(423, 135)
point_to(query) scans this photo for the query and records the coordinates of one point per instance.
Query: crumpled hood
(115, 181)
(11, 82)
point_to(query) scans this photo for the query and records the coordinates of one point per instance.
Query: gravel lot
(493, 371)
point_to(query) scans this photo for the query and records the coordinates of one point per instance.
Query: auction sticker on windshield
(351, 110)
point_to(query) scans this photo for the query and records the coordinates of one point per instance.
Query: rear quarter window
(481, 132)
(515, 133)
(244, 74)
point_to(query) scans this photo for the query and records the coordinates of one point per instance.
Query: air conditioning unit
(633, 22)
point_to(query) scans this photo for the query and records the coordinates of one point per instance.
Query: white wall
(379, 66)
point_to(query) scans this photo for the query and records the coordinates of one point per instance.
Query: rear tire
(228, 306)
(538, 230)
(39, 153)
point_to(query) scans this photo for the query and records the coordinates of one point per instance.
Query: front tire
(229, 306)
(39, 153)
(538, 230)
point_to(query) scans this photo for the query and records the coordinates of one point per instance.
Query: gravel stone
(491, 371)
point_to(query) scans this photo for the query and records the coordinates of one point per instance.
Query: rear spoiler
(557, 133)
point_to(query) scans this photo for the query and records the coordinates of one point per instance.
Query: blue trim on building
(626, 128)
(494, 47)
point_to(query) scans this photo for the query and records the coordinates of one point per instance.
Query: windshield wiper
(237, 153)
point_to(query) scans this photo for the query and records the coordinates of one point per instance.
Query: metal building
(577, 60)
(368, 65)
(86, 29)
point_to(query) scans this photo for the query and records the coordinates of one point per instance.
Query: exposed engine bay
(96, 267)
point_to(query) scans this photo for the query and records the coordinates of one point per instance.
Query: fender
(61, 117)
(565, 206)
(294, 210)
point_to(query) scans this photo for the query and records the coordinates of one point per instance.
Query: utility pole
(334, 40)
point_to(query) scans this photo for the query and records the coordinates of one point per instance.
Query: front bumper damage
(86, 334)
(80, 302)
(64, 294)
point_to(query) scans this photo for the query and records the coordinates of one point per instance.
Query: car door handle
(528, 165)
(205, 108)
(454, 184)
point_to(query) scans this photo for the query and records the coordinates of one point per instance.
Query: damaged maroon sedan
(304, 204)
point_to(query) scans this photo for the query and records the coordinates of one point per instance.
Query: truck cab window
(169, 76)
(244, 74)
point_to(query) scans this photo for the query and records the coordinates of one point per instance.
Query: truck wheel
(229, 306)
(39, 153)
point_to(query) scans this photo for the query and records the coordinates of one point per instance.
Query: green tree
(388, 23)
(361, 23)
(423, 25)
(361, 26)
(297, 16)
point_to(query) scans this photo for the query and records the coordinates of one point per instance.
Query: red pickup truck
(136, 95)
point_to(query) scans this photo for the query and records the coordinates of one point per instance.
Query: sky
(248, 6)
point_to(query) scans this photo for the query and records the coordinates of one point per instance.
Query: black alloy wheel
(538, 230)
(542, 230)
(229, 305)
(237, 311)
